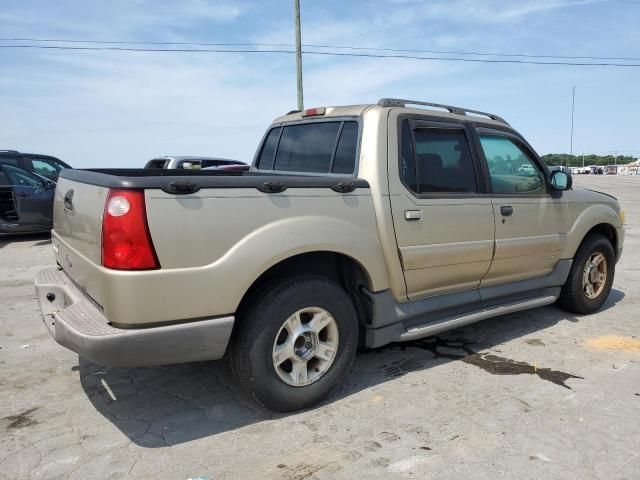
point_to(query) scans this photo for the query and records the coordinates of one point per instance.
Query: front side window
(314, 147)
(22, 178)
(46, 168)
(511, 168)
(441, 160)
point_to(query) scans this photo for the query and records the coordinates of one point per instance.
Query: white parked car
(527, 169)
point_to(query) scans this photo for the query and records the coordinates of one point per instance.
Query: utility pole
(296, 7)
(573, 104)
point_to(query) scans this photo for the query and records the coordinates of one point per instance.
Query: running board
(482, 314)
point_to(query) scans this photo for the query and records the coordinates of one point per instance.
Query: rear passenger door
(442, 217)
(530, 220)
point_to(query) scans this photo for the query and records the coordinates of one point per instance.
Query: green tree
(576, 160)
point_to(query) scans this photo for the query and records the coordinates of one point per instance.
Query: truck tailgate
(77, 232)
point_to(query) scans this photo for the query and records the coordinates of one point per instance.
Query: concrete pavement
(538, 394)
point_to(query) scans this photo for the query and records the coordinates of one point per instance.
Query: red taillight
(126, 242)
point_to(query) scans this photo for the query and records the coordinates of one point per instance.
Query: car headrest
(432, 161)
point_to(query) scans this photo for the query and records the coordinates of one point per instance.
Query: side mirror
(560, 180)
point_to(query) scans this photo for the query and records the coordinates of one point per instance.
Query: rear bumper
(76, 322)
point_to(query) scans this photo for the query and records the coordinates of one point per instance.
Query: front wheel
(591, 276)
(295, 343)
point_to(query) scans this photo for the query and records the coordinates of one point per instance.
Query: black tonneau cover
(189, 181)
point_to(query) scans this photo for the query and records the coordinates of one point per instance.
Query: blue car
(26, 200)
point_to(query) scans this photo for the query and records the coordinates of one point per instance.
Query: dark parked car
(192, 162)
(44, 165)
(26, 200)
(232, 168)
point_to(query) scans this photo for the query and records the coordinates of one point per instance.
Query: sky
(119, 109)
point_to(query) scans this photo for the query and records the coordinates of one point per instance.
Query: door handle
(412, 215)
(506, 210)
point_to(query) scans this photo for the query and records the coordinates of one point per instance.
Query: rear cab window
(156, 163)
(313, 147)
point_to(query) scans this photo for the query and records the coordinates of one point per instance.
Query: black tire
(253, 342)
(573, 296)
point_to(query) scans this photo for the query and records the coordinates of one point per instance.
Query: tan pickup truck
(356, 225)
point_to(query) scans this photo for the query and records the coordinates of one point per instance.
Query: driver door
(530, 221)
(34, 201)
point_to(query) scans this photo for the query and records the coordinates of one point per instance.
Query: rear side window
(265, 162)
(344, 160)
(10, 160)
(442, 161)
(314, 147)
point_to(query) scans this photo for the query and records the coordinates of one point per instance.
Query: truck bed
(213, 233)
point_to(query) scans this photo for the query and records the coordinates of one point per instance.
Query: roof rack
(9, 151)
(398, 102)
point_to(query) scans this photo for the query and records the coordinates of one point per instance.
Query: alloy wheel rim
(594, 275)
(306, 346)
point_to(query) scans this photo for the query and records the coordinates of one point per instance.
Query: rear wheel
(295, 343)
(591, 276)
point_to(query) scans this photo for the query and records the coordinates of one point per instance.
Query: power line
(334, 47)
(484, 54)
(335, 54)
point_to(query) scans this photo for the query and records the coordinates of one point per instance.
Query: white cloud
(117, 19)
(123, 109)
(489, 11)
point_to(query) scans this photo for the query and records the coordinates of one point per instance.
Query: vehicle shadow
(162, 406)
(41, 238)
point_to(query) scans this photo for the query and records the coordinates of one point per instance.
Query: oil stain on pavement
(496, 365)
(21, 420)
(460, 349)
